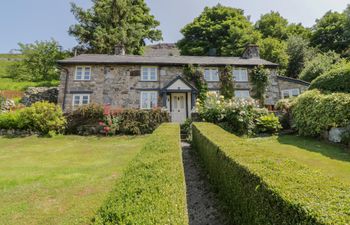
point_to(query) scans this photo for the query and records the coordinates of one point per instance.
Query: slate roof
(164, 60)
(297, 81)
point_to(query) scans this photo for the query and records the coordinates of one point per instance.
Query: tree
(275, 51)
(39, 61)
(115, 22)
(319, 65)
(329, 33)
(294, 29)
(223, 29)
(299, 53)
(272, 25)
(347, 31)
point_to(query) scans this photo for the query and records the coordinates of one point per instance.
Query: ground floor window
(81, 99)
(149, 99)
(242, 94)
(290, 93)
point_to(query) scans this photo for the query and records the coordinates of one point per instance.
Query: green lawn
(326, 158)
(60, 180)
(10, 84)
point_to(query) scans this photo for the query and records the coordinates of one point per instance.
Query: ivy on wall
(260, 81)
(195, 75)
(226, 80)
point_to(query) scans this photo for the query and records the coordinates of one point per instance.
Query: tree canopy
(225, 30)
(273, 25)
(114, 22)
(329, 33)
(39, 61)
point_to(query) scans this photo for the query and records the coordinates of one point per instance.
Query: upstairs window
(211, 74)
(240, 74)
(242, 94)
(81, 99)
(82, 73)
(149, 99)
(149, 73)
(288, 93)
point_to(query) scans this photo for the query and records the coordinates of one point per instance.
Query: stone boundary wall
(38, 94)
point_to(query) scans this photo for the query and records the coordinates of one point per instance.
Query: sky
(26, 21)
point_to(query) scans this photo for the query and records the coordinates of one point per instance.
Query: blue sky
(29, 20)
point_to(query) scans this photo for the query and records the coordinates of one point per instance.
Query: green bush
(335, 80)
(235, 115)
(152, 189)
(314, 112)
(268, 124)
(260, 186)
(41, 117)
(10, 120)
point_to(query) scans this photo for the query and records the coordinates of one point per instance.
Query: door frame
(170, 94)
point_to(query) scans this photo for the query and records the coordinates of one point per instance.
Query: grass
(10, 84)
(276, 180)
(3, 67)
(60, 180)
(152, 190)
(11, 56)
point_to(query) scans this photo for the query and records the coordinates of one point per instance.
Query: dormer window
(240, 74)
(211, 74)
(82, 73)
(149, 73)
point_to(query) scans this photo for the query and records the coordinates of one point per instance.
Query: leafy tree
(319, 65)
(299, 52)
(272, 25)
(275, 51)
(39, 61)
(329, 33)
(225, 29)
(294, 29)
(347, 31)
(115, 22)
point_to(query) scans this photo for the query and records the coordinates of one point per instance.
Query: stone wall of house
(38, 94)
(120, 85)
(285, 85)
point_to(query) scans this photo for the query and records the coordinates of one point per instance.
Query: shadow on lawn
(329, 150)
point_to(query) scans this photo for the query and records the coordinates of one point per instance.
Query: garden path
(202, 202)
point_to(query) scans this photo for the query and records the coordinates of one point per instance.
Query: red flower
(101, 123)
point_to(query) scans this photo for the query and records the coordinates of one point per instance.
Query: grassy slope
(326, 158)
(62, 180)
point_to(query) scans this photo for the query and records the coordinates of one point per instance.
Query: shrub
(261, 186)
(268, 124)
(335, 80)
(94, 119)
(236, 115)
(152, 189)
(43, 117)
(314, 112)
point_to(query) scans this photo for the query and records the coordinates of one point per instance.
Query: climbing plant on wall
(195, 75)
(226, 79)
(260, 81)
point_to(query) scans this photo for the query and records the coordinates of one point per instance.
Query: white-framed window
(211, 74)
(240, 74)
(149, 73)
(81, 99)
(290, 93)
(82, 73)
(149, 99)
(242, 94)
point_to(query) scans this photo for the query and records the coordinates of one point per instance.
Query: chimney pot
(119, 50)
(251, 51)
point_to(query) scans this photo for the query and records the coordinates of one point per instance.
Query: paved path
(202, 202)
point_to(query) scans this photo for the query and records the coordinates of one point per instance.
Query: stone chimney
(251, 52)
(119, 50)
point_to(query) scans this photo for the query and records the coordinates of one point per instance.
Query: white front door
(178, 107)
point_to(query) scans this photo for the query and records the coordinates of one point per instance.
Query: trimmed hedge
(260, 186)
(314, 112)
(152, 189)
(335, 80)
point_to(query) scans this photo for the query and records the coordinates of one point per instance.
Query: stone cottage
(146, 82)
